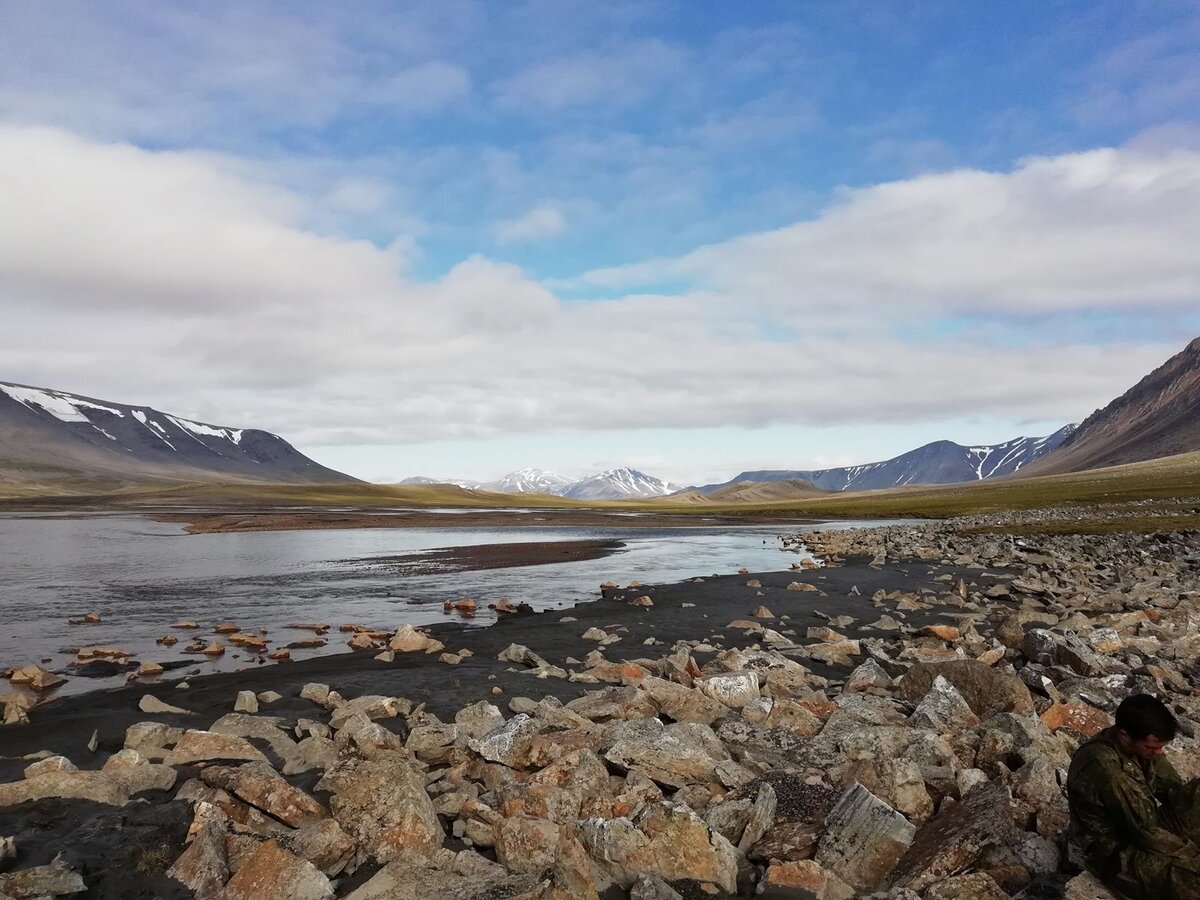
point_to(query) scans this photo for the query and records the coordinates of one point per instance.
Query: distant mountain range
(614, 484)
(942, 462)
(54, 435)
(1159, 416)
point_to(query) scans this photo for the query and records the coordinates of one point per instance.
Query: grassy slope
(1176, 477)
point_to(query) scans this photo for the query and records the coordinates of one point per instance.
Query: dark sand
(103, 839)
(477, 557)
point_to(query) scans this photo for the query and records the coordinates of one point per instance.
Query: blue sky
(463, 237)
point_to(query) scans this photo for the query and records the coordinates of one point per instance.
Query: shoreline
(682, 611)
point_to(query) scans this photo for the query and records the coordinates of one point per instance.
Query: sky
(458, 238)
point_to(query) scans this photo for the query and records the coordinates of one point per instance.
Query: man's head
(1144, 726)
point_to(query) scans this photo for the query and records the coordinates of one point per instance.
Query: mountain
(753, 492)
(1159, 416)
(942, 462)
(457, 482)
(49, 435)
(617, 484)
(531, 481)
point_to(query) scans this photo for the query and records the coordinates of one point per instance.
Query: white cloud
(1107, 229)
(541, 222)
(169, 279)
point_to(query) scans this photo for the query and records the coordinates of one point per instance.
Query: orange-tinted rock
(185, 624)
(941, 632)
(226, 628)
(216, 648)
(272, 873)
(148, 668)
(168, 640)
(642, 601)
(1077, 718)
(361, 641)
(281, 655)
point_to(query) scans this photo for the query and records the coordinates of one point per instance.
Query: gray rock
(864, 839)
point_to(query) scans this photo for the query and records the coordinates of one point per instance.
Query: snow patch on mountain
(618, 484)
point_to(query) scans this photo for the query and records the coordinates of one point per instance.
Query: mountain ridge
(938, 462)
(1157, 417)
(50, 434)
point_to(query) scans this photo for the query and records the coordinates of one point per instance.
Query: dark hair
(1141, 715)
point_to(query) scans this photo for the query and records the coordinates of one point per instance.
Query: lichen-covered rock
(674, 755)
(864, 839)
(383, 805)
(265, 789)
(271, 873)
(986, 690)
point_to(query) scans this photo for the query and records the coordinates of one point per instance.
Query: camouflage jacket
(1122, 806)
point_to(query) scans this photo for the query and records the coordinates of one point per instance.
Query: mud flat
(896, 724)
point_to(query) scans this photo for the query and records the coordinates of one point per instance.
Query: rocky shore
(895, 723)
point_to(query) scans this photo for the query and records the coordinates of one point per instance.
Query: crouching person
(1135, 821)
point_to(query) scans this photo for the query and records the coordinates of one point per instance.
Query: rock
(986, 690)
(1076, 718)
(734, 689)
(409, 640)
(976, 886)
(324, 844)
(522, 655)
(124, 774)
(271, 873)
(41, 881)
(955, 838)
(762, 815)
(373, 706)
(802, 586)
(203, 867)
(641, 601)
(1087, 887)
(317, 693)
(149, 669)
(509, 744)
(269, 697)
(674, 755)
(946, 633)
(382, 804)
(205, 746)
(864, 839)
(151, 737)
(151, 704)
(50, 764)
(763, 613)
(246, 702)
(652, 887)
(665, 839)
(943, 709)
(869, 674)
(834, 653)
(478, 720)
(683, 704)
(361, 641)
(525, 845)
(35, 677)
(808, 877)
(262, 787)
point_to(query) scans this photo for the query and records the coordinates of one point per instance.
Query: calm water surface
(142, 575)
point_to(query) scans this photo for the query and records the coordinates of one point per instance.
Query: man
(1132, 816)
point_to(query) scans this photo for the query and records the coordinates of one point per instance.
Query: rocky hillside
(942, 462)
(1159, 416)
(48, 435)
(618, 484)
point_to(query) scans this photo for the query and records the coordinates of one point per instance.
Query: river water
(142, 575)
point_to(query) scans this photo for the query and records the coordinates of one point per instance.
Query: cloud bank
(171, 278)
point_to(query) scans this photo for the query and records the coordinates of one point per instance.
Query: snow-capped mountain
(942, 462)
(49, 434)
(533, 481)
(618, 484)
(457, 482)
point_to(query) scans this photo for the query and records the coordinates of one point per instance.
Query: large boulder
(382, 804)
(203, 867)
(271, 873)
(986, 690)
(864, 839)
(125, 774)
(674, 755)
(955, 838)
(666, 839)
(207, 746)
(265, 789)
